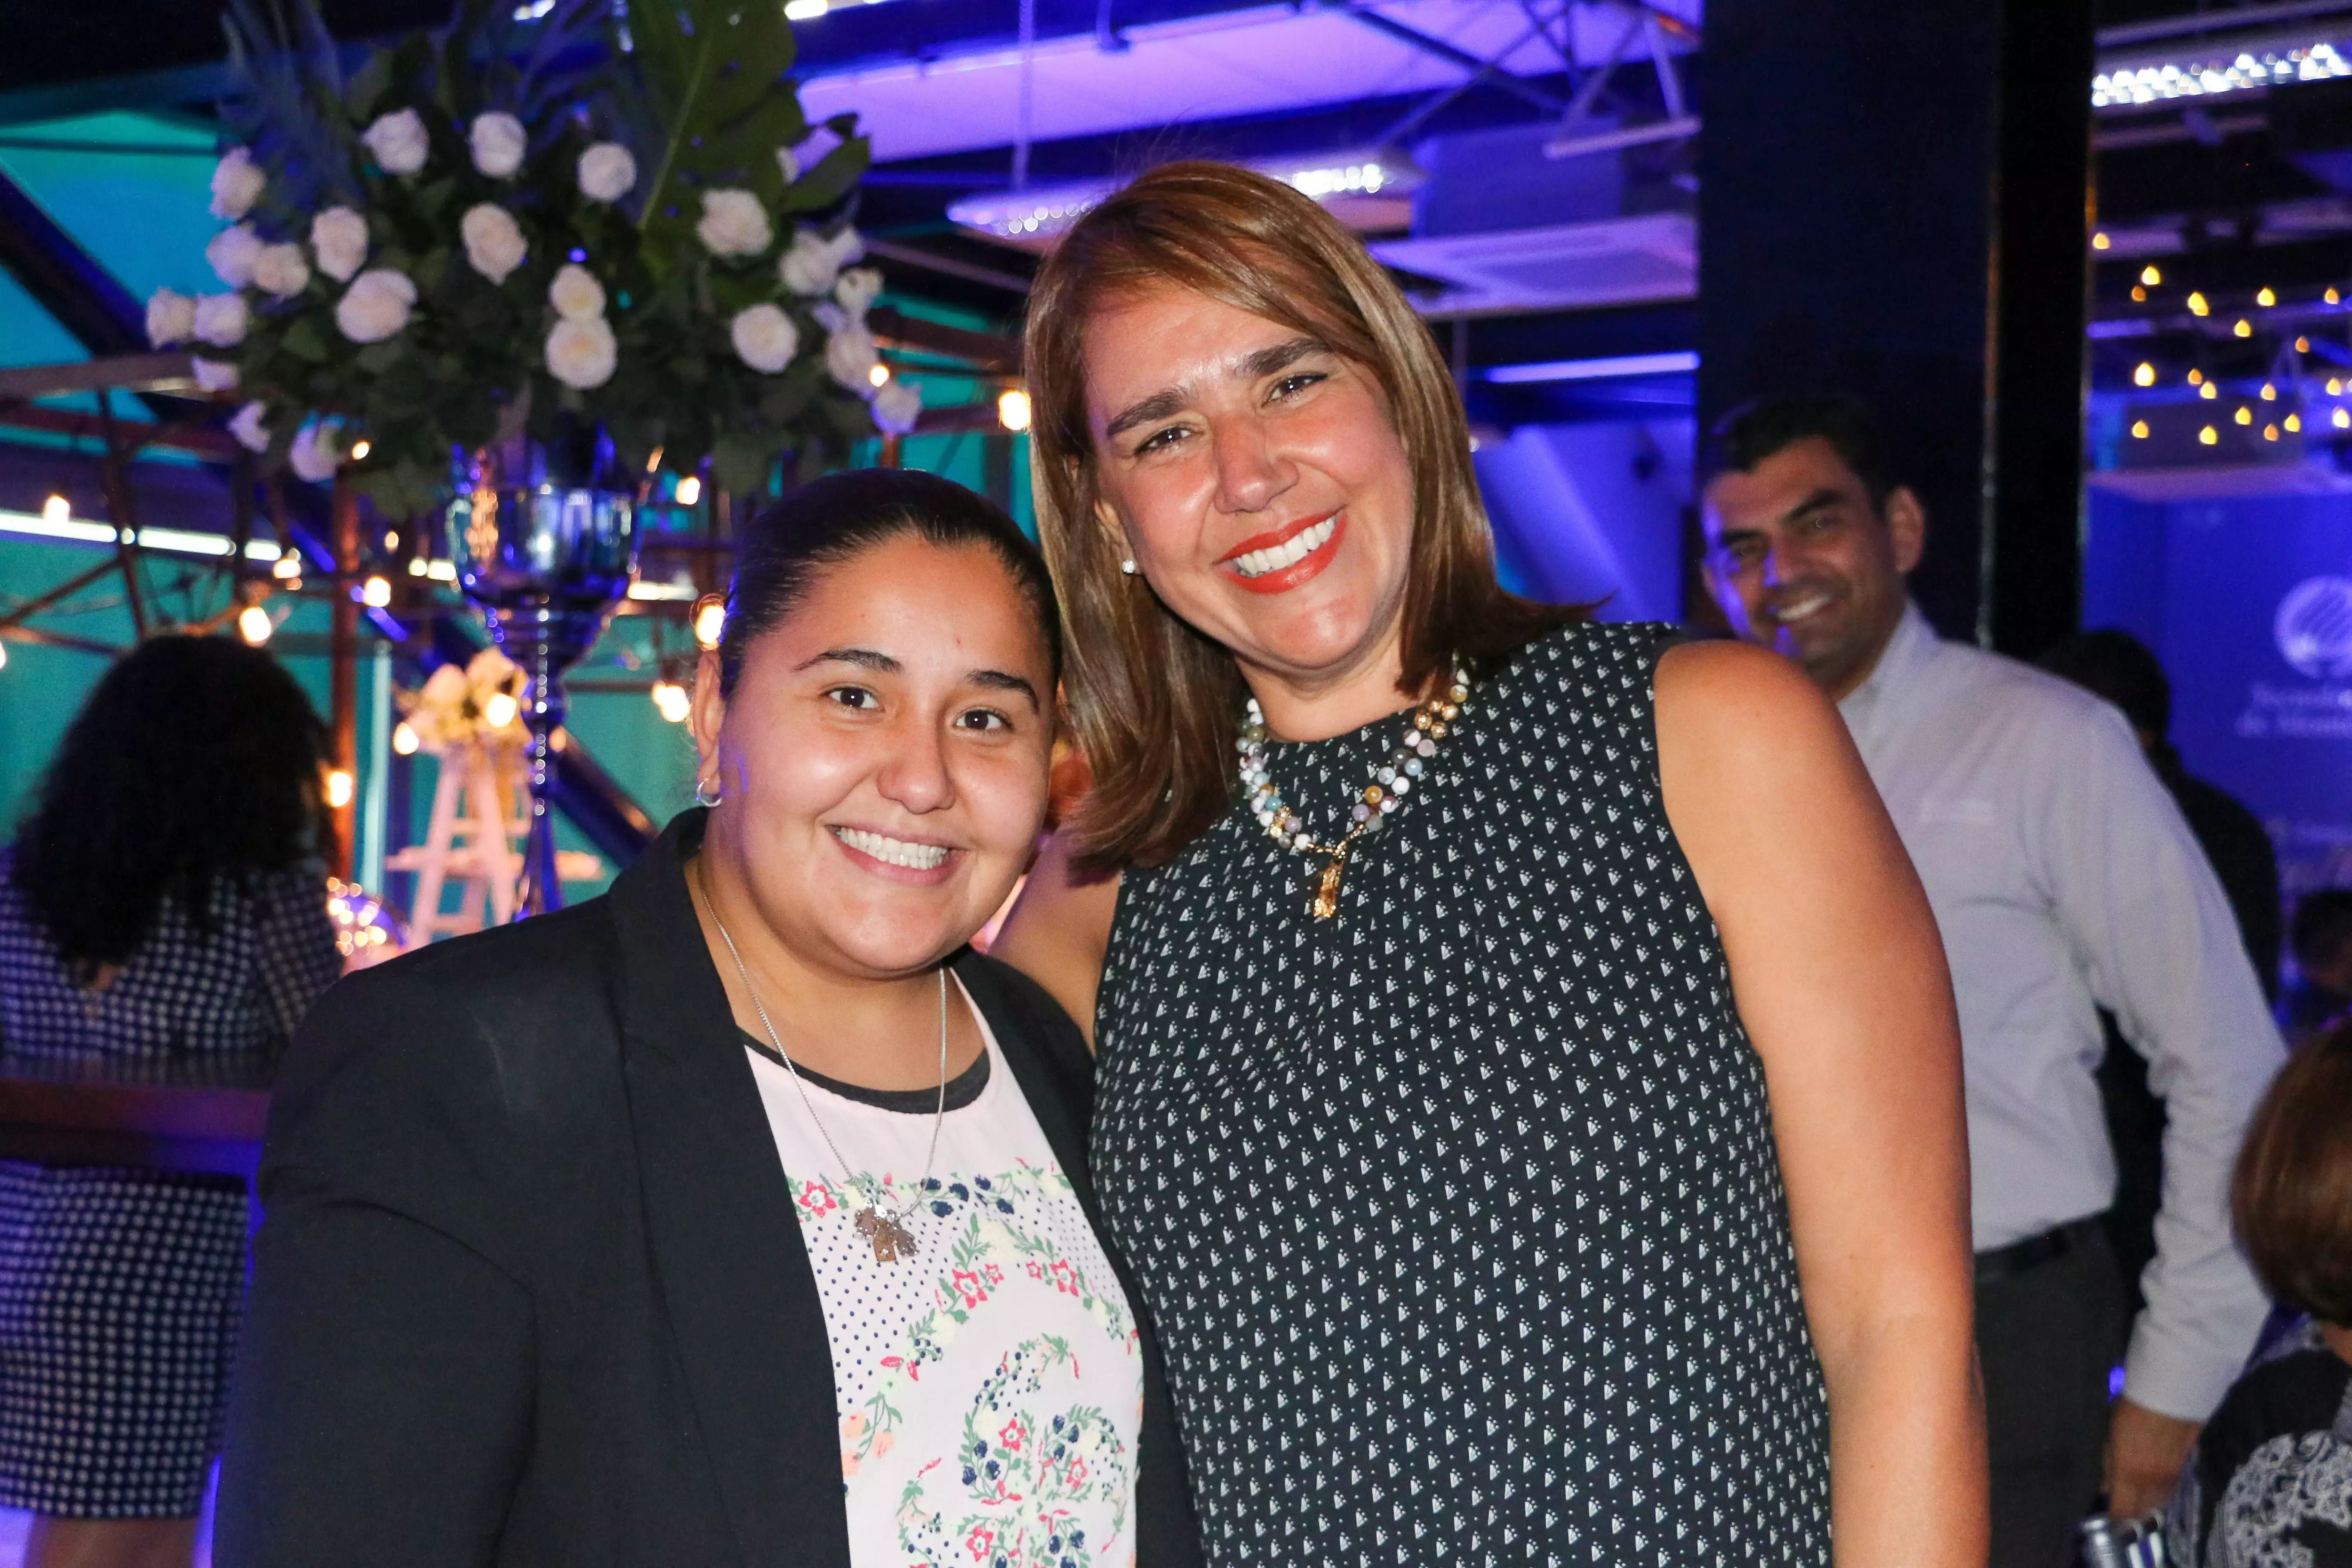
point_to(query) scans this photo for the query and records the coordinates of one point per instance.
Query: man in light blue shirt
(2063, 879)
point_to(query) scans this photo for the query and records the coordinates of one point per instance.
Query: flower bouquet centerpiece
(528, 224)
(478, 703)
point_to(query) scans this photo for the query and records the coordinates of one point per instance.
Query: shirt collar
(1906, 652)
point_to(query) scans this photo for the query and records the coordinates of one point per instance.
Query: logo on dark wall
(2314, 627)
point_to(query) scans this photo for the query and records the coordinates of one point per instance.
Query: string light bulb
(2245, 415)
(2265, 298)
(2208, 390)
(2342, 419)
(1012, 409)
(2145, 375)
(500, 711)
(254, 625)
(2196, 378)
(2196, 305)
(404, 739)
(359, 450)
(417, 566)
(879, 375)
(376, 593)
(57, 510)
(289, 566)
(689, 490)
(2269, 392)
(673, 701)
(2207, 435)
(2244, 327)
(2140, 430)
(339, 789)
(2100, 241)
(2270, 433)
(710, 620)
(2139, 295)
(2150, 276)
(2293, 423)
(2303, 345)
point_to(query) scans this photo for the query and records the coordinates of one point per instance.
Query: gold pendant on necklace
(892, 1241)
(1326, 893)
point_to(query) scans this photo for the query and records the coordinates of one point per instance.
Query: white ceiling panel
(1247, 62)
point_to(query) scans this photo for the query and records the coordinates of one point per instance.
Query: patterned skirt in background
(119, 1299)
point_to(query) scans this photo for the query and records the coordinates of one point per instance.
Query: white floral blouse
(989, 1386)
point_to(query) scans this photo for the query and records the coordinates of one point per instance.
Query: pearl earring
(1127, 567)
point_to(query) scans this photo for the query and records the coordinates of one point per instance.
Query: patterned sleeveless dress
(1459, 1215)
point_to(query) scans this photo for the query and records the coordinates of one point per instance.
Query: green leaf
(367, 86)
(714, 72)
(303, 342)
(834, 176)
(740, 463)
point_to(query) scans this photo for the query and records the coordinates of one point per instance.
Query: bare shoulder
(1059, 931)
(1732, 704)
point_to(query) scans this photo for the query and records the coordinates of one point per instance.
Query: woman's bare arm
(1840, 979)
(1060, 931)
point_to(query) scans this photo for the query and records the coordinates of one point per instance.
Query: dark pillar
(1895, 201)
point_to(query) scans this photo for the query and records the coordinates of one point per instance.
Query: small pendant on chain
(892, 1241)
(1326, 892)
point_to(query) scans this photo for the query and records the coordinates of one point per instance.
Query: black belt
(2018, 1256)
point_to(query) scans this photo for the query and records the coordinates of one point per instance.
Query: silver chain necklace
(884, 1227)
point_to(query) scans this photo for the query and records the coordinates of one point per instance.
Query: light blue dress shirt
(2063, 879)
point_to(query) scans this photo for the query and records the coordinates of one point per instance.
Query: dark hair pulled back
(830, 522)
(195, 761)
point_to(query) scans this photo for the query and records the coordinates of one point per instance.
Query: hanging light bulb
(2293, 423)
(2196, 306)
(2140, 430)
(2207, 435)
(360, 449)
(2145, 375)
(288, 565)
(376, 593)
(2270, 432)
(2269, 392)
(57, 510)
(689, 490)
(710, 620)
(404, 739)
(2303, 345)
(2196, 378)
(1012, 409)
(2244, 327)
(2100, 241)
(2245, 415)
(2265, 297)
(254, 625)
(2150, 276)
(879, 375)
(2208, 390)
(2139, 295)
(339, 789)
(2341, 419)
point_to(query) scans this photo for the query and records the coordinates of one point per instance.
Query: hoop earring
(1127, 567)
(715, 801)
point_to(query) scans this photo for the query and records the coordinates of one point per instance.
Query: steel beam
(68, 283)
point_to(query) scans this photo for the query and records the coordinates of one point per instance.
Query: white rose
(733, 224)
(494, 242)
(280, 269)
(607, 171)
(581, 354)
(808, 267)
(339, 236)
(236, 184)
(171, 318)
(847, 246)
(850, 355)
(313, 452)
(232, 254)
(575, 293)
(499, 142)
(857, 289)
(250, 432)
(766, 338)
(790, 164)
(375, 306)
(398, 142)
(222, 318)
(215, 374)
(895, 406)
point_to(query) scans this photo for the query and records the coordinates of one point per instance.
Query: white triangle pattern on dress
(1460, 1216)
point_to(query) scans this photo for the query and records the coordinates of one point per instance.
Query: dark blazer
(530, 1289)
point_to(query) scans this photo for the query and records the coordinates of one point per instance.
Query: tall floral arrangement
(599, 215)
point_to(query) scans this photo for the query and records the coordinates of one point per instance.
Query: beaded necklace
(1381, 799)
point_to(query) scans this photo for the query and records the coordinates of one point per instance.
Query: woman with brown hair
(1530, 1092)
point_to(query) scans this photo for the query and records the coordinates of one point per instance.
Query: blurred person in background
(2321, 940)
(2117, 665)
(2063, 879)
(2271, 1480)
(165, 902)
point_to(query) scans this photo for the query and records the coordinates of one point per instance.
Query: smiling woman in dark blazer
(741, 1216)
